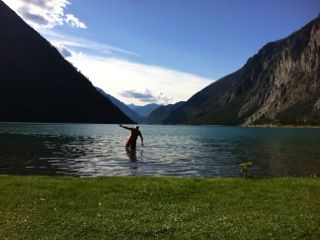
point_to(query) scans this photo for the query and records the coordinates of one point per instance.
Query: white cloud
(44, 14)
(119, 76)
(59, 40)
(146, 96)
(74, 21)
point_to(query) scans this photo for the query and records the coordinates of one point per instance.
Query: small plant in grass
(244, 168)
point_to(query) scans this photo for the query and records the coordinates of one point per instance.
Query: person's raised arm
(125, 127)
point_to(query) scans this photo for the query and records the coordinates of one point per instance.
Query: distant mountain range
(122, 106)
(37, 84)
(280, 85)
(144, 110)
(161, 113)
(150, 113)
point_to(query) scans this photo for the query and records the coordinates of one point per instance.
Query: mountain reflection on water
(185, 151)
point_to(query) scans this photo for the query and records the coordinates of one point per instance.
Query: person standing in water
(135, 133)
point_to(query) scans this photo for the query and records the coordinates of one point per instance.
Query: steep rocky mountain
(144, 110)
(122, 106)
(38, 84)
(158, 115)
(279, 85)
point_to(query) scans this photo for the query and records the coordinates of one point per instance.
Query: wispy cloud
(74, 22)
(146, 96)
(108, 67)
(138, 83)
(45, 14)
(79, 44)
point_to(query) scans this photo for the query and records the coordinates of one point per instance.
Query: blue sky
(175, 47)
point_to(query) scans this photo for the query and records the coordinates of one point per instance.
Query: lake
(184, 151)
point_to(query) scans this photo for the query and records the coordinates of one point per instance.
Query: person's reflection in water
(132, 154)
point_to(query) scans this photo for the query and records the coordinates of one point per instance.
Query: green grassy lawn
(159, 208)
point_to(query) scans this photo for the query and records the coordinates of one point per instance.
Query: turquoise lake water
(184, 151)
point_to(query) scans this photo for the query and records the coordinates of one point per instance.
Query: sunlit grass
(159, 208)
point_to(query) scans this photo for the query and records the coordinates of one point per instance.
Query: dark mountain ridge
(38, 85)
(279, 85)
